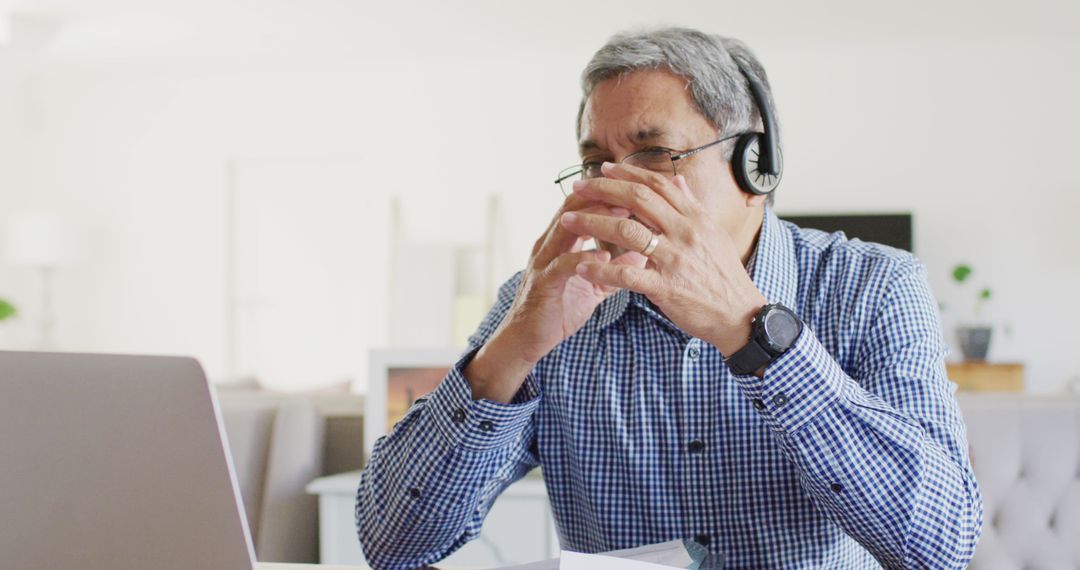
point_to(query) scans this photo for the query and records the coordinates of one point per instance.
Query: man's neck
(747, 237)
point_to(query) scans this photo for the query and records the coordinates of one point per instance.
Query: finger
(680, 182)
(629, 234)
(642, 200)
(620, 276)
(564, 266)
(571, 203)
(631, 258)
(575, 202)
(559, 240)
(558, 237)
(663, 185)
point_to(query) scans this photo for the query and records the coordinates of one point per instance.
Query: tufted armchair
(1026, 456)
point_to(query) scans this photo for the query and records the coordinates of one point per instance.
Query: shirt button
(779, 399)
(837, 488)
(414, 493)
(487, 426)
(758, 404)
(702, 539)
(694, 353)
(459, 415)
(696, 446)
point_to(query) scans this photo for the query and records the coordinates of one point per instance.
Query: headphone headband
(769, 160)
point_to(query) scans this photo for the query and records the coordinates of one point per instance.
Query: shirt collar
(772, 266)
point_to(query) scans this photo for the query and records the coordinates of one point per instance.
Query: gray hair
(706, 61)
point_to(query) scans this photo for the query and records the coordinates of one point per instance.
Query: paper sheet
(671, 553)
(578, 561)
(664, 555)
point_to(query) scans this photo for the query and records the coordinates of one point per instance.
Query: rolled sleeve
(797, 386)
(480, 425)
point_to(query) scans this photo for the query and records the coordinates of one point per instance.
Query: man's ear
(755, 200)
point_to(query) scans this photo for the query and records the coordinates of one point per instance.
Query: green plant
(7, 310)
(961, 273)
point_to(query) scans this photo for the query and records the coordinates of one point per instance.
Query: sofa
(279, 443)
(1025, 451)
(1026, 455)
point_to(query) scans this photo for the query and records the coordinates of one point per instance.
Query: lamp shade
(37, 239)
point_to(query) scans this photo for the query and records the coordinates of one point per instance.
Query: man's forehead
(646, 108)
(642, 135)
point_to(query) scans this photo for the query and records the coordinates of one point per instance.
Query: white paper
(549, 564)
(672, 553)
(665, 555)
(578, 561)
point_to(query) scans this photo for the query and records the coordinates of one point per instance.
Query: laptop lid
(115, 462)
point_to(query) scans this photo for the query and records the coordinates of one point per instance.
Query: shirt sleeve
(430, 483)
(883, 452)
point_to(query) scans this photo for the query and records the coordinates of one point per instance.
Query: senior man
(710, 372)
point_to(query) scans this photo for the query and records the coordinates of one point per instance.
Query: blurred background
(318, 199)
(279, 186)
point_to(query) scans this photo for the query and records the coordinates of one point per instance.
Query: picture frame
(397, 376)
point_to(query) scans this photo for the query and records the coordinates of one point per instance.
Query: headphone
(756, 160)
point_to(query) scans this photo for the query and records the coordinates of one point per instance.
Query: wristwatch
(774, 329)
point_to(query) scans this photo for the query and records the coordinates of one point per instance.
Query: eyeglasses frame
(679, 155)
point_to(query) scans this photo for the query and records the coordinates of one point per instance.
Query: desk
(275, 566)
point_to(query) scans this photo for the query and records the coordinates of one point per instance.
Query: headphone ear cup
(744, 163)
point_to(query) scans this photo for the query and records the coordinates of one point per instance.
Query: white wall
(967, 120)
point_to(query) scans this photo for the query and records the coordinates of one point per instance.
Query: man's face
(653, 108)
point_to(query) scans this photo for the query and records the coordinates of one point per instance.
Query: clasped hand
(695, 275)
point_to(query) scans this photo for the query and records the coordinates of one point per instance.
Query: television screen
(889, 229)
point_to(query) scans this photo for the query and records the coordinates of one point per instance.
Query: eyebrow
(643, 136)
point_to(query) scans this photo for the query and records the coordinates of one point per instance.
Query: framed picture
(397, 377)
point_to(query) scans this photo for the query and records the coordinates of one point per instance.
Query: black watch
(774, 329)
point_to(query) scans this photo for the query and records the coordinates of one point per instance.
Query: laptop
(110, 462)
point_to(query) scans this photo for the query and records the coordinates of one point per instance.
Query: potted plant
(7, 310)
(974, 338)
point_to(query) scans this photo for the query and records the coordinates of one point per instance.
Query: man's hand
(695, 275)
(552, 303)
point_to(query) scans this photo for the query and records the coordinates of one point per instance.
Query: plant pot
(974, 341)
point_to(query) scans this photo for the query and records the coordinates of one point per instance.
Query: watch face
(781, 329)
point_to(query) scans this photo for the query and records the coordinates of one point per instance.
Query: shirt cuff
(480, 424)
(796, 386)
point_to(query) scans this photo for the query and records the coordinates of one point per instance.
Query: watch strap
(749, 358)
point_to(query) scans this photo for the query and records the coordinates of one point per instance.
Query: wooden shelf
(987, 376)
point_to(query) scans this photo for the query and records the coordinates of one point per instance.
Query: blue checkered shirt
(849, 453)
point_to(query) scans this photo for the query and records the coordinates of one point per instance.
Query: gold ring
(655, 241)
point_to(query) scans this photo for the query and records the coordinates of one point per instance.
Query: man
(830, 439)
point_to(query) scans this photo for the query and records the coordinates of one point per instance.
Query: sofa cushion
(248, 428)
(280, 443)
(1026, 456)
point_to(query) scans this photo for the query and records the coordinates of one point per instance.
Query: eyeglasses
(659, 160)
